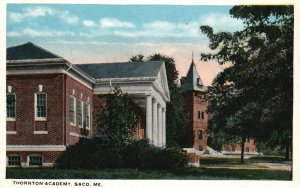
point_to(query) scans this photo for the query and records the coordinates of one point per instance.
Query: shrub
(141, 154)
(170, 158)
(91, 153)
(100, 153)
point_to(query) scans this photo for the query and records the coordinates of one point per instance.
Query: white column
(159, 132)
(149, 118)
(164, 127)
(154, 122)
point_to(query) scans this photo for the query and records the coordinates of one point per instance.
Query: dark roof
(28, 51)
(122, 70)
(192, 81)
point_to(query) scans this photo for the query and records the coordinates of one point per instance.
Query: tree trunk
(287, 151)
(243, 148)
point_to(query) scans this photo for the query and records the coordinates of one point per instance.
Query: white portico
(145, 82)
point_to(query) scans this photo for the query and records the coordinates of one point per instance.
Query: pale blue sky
(108, 33)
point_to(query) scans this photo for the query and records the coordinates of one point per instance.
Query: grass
(221, 160)
(235, 160)
(212, 168)
(270, 159)
(187, 174)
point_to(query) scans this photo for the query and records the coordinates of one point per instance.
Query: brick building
(52, 103)
(194, 94)
(196, 103)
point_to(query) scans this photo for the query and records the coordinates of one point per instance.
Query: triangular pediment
(162, 81)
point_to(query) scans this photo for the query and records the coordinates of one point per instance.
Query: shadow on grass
(269, 159)
(228, 160)
(188, 174)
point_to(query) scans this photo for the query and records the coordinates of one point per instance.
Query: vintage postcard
(99, 94)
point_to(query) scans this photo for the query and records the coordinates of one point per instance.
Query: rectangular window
(35, 161)
(200, 135)
(14, 160)
(41, 105)
(199, 114)
(73, 110)
(202, 115)
(11, 106)
(87, 115)
(80, 113)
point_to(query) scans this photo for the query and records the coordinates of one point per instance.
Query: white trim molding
(10, 119)
(74, 134)
(78, 135)
(52, 71)
(35, 148)
(36, 118)
(40, 132)
(11, 132)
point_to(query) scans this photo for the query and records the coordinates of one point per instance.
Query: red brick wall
(193, 104)
(86, 93)
(25, 86)
(48, 156)
(249, 146)
(59, 88)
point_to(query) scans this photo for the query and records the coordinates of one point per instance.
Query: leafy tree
(137, 58)
(117, 120)
(253, 96)
(178, 133)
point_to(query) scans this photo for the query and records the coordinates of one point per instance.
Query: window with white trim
(14, 160)
(87, 115)
(35, 160)
(11, 106)
(80, 113)
(73, 109)
(40, 106)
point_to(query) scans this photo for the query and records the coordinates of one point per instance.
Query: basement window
(14, 160)
(35, 160)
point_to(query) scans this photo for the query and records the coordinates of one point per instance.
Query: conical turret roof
(192, 81)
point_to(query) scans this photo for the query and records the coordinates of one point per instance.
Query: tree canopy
(117, 118)
(253, 96)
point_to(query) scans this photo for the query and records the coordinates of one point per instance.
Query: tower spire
(192, 57)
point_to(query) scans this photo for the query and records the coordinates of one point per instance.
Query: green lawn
(189, 173)
(235, 160)
(212, 168)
